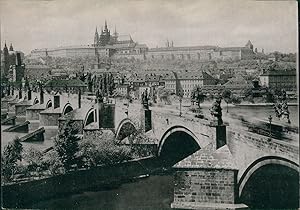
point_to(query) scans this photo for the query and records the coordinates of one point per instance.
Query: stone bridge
(217, 166)
(219, 149)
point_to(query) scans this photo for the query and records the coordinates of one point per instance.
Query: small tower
(172, 43)
(5, 59)
(249, 45)
(105, 26)
(11, 48)
(115, 36)
(255, 50)
(96, 37)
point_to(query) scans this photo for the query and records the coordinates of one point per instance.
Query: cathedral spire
(105, 26)
(96, 37)
(5, 49)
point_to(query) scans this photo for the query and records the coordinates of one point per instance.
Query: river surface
(154, 192)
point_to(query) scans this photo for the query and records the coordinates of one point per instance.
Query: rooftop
(208, 158)
(208, 47)
(65, 83)
(279, 73)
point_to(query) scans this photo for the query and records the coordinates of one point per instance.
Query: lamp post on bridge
(180, 94)
(270, 121)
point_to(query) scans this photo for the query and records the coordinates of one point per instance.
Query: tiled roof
(36, 66)
(279, 73)
(126, 37)
(64, 83)
(238, 80)
(183, 48)
(209, 158)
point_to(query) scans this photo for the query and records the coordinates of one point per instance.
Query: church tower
(105, 35)
(11, 48)
(114, 37)
(5, 59)
(96, 37)
(249, 45)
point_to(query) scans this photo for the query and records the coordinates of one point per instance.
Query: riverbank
(23, 194)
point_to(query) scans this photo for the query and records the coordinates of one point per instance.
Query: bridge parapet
(246, 147)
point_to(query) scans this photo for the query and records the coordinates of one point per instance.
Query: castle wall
(189, 54)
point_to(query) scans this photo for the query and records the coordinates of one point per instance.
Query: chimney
(56, 101)
(79, 98)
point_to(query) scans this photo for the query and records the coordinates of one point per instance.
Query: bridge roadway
(249, 152)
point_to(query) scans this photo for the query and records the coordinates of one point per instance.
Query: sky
(34, 24)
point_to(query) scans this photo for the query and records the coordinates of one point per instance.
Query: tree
(164, 95)
(34, 159)
(27, 86)
(66, 145)
(270, 96)
(11, 154)
(104, 151)
(248, 94)
(226, 94)
(235, 99)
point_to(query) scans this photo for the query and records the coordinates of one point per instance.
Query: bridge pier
(33, 115)
(106, 115)
(207, 180)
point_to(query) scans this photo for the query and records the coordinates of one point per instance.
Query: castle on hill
(113, 45)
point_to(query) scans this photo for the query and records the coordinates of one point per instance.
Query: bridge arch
(67, 108)
(177, 143)
(49, 104)
(126, 127)
(270, 182)
(90, 117)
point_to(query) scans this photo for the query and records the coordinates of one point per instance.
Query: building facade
(279, 79)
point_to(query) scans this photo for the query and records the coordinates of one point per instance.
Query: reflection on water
(154, 192)
(9, 136)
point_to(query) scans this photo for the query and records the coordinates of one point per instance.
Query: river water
(154, 192)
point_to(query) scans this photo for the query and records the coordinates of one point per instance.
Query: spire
(105, 26)
(11, 47)
(115, 32)
(5, 49)
(96, 37)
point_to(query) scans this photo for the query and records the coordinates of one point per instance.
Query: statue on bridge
(145, 99)
(216, 111)
(99, 96)
(282, 109)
